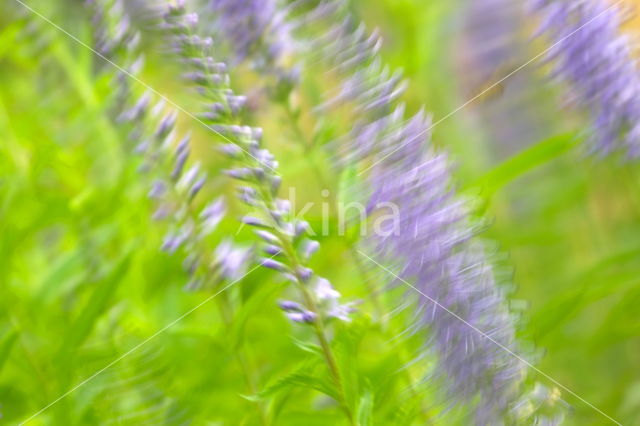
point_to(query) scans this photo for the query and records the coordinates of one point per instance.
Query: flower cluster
(493, 44)
(491, 27)
(248, 25)
(590, 53)
(460, 302)
(115, 37)
(166, 156)
(285, 238)
(257, 33)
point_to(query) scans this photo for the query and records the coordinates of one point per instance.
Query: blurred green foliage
(83, 281)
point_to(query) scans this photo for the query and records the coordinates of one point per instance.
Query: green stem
(251, 381)
(351, 248)
(307, 146)
(309, 300)
(310, 304)
(226, 310)
(319, 329)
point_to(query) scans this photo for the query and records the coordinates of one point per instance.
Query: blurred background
(82, 277)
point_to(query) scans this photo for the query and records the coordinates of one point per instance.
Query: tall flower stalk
(592, 56)
(285, 239)
(253, 32)
(176, 182)
(272, 53)
(432, 245)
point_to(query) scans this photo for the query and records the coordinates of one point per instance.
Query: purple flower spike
(245, 23)
(592, 55)
(435, 253)
(249, 25)
(430, 246)
(174, 187)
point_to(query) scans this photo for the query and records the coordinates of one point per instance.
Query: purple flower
(491, 28)
(594, 58)
(212, 214)
(259, 32)
(302, 317)
(249, 25)
(232, 260)
(492, 42)
(158, 189)
(177, 181)
(325, 291)
(253, 165)
(329, 298)
(433, 250)
(288, 305)
(275, 265)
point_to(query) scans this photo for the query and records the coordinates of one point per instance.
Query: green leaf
(63, 273)
(364, 412)
(307, 346)
(347, 184)
(6, 346)
(247, 309)
(95, 306)
(304, 377)
(525, 161)
(604, 279)
(345, 346)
